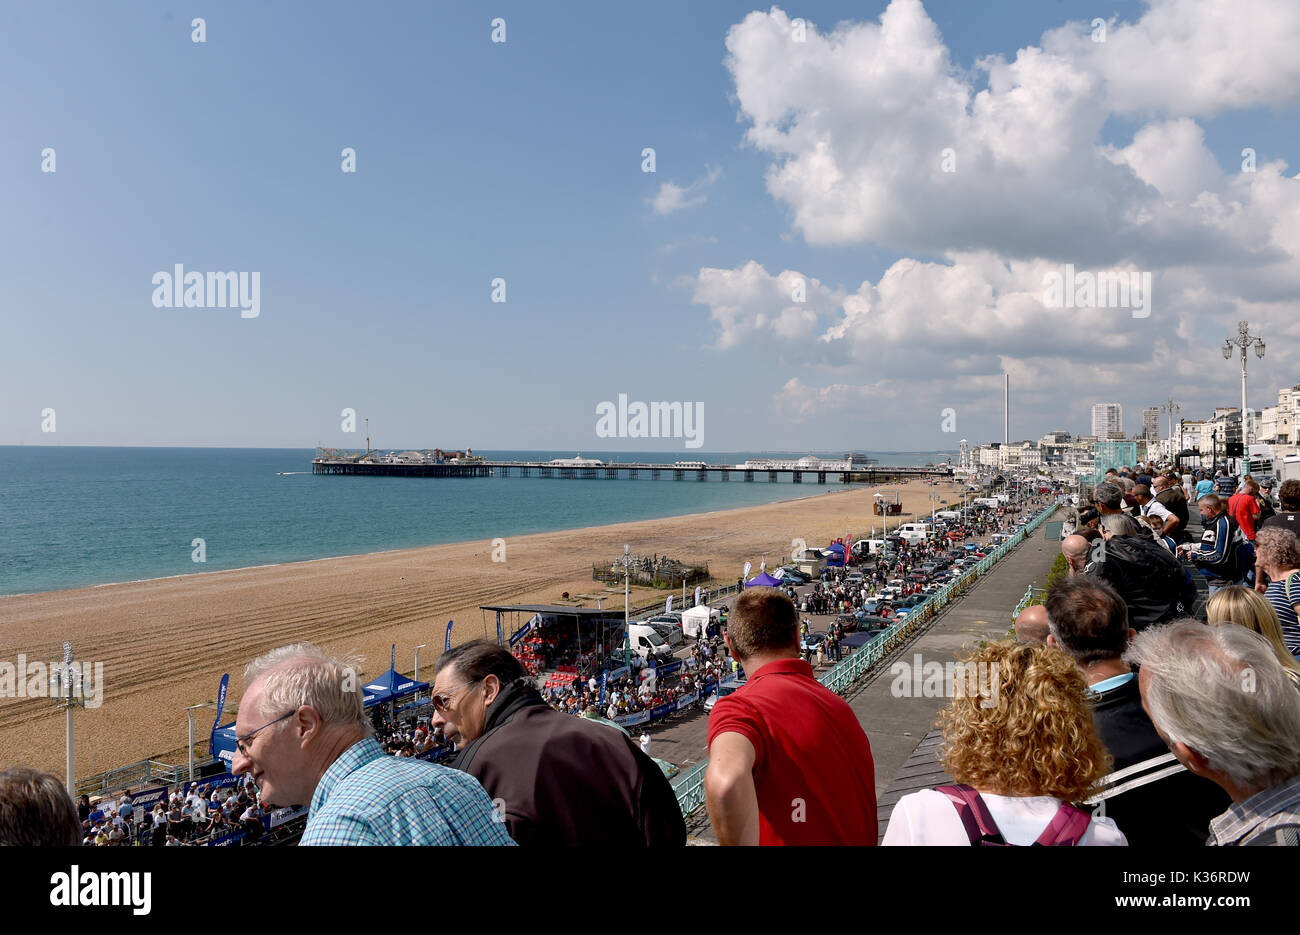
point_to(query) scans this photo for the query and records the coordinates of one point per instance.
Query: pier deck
(629, 471)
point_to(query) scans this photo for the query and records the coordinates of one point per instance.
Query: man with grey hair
(1108, 498)
(303, 736)
(1224, 705)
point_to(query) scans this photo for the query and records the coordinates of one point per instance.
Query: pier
(628, 471)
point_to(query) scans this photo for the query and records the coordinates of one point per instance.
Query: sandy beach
(165, 643)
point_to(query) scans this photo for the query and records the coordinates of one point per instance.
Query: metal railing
(143, 773)
(690, 788)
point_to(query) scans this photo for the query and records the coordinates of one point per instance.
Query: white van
(864, 547)
(647, 643)
(912, 533)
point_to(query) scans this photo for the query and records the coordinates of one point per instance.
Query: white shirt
(645, 744)
(929, 818)
(1156, 508)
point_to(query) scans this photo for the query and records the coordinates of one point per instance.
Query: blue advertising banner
(220, 781)
(627, 720)
(662, 711)
(687, 700)
(447, 647)
(147, 798)
(221, 705)
(618, 673)
(604, 681)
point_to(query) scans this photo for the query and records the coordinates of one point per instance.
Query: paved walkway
(896, 725)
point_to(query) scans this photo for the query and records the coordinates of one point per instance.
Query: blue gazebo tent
(762, 580)
(390, 686)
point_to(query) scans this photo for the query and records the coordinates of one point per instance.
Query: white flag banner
(762, 566)
(748, 566)
(697, 595)
(668, 608)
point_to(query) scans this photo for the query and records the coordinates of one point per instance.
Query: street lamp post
(627, 606)
(1243, 340)
(70, 697)
(189, 712)
(417, 666)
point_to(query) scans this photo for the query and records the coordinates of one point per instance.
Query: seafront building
(1107, 419)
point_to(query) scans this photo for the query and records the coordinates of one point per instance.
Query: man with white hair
(1223, 703)
(303, 735)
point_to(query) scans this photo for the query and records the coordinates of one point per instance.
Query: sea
(72, 517)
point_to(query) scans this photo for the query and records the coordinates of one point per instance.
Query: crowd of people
(1137, 534)
(188, 816)
(643, 689)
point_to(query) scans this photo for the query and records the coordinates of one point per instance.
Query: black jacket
(1173, 500)
(566, 781)
(1145, 574)
(1151, 808)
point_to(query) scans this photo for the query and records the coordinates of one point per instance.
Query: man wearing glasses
(303, 736)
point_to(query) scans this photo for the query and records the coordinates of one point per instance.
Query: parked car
(812, 641)
(792, 575)
(848, 621)
(671, 632)
(722, 692)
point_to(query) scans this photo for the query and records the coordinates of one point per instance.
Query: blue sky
(519, 160)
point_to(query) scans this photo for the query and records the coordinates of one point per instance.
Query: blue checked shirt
(369, 797)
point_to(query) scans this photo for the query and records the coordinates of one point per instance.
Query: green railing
(690, 787)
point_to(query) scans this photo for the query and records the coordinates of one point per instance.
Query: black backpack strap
(974, 815)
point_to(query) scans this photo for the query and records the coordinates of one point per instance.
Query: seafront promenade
(896, 725)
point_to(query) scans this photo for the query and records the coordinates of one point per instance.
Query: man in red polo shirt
(1244, 508)
(788, 761)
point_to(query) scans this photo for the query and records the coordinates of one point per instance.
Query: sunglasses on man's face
(442, 703)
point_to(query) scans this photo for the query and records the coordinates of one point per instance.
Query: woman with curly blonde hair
(1020, 743)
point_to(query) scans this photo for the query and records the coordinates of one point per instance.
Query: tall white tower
(963, 459)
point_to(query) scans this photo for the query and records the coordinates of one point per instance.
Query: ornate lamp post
(1243, 340)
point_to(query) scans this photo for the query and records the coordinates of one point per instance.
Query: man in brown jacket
(554, 779)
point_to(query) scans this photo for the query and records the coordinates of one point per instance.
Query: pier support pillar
(749, 476)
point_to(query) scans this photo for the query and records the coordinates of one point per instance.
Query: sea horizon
(86, 515)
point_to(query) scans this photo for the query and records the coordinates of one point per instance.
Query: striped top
(1286, 614)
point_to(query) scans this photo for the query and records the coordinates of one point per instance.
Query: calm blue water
(72, 517)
